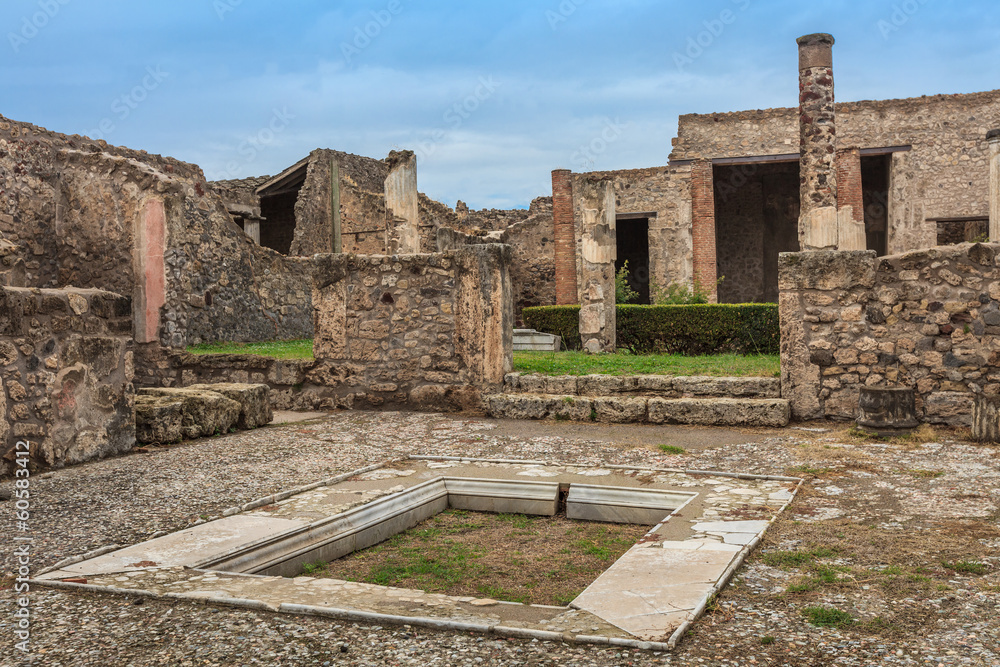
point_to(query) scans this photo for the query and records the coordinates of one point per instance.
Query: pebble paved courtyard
(903, 538)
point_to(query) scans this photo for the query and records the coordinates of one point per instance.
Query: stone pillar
(598, 251)
(993, 137)
(817, 144)
(703, 226)
(565, 237)
(850, 201)
(401, 203)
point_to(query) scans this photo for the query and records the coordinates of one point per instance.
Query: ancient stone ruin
(115, 260)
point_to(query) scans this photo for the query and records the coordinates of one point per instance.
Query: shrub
(683, 329)
(679, 293)
(623, 290)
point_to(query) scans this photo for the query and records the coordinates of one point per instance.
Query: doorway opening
(633, 248)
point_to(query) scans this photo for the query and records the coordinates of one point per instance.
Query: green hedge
(689, 329)
(559, 320)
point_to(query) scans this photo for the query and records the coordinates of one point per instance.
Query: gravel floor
(900, 516)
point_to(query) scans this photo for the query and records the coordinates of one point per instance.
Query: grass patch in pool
(513, 557)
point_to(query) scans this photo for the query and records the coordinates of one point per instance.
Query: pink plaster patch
(153, 239)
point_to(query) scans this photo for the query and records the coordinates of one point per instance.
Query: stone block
(204, 412)
(159, 419)
(519, 406)
(728, 387)
(254, 400)
(720, 411)
(616, 410)
(561, 384)
(572, 408)
(949, 407)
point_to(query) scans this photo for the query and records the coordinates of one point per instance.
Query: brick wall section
(849, 190)
(565, 234)
(703, 224)
(946, 174)
(67, 360)
(928, 319)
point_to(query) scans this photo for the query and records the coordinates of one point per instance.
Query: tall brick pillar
(993, 136)
(850, 201)
(817, 144)
(703, 225)
(598, 251)
(565, 237)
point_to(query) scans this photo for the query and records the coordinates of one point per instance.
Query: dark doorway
(278, 229)
(756, 217)
(633, 247)
(875, 190)
(277, 207)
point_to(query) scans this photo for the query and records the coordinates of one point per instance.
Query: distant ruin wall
(75, 210)
(665, 191)
(67, 359)
(945, 175)
(927, 319)
(532, 268)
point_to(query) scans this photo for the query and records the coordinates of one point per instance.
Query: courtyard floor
(902, 539)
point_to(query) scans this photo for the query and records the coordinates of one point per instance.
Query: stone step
(773, 412)
(662, 386)
(531, 340)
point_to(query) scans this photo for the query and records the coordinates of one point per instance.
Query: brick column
(598, 251)
(850, 201)
(565, 237)
(703, 225)
(993, 136)
(817, 144)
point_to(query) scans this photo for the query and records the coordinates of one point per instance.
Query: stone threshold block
(171, 414)
(254, 400)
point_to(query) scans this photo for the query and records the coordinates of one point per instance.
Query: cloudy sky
(491, 95)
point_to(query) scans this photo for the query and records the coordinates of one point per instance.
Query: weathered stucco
(67, 360)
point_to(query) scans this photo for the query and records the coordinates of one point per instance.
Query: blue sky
(491, 95)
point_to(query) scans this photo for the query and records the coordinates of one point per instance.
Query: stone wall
(532, 242)
(85, 214)
(928, 319)
(665, 191)
(67, 359)
(944, 175)
(421, 330)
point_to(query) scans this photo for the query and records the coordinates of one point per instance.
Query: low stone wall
(420, 331)
(429, 330)
(67, 364)
(928, 319)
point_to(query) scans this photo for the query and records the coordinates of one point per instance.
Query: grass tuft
(828, 617)
(579, 363)
(671, 449)
(279, 349)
